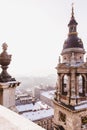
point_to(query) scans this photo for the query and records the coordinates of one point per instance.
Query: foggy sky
(35, 31)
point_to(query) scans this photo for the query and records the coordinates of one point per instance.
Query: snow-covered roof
(30, 107)
(48, 94)
(26, 107)
(35, 112)
(81, 106)
(36, 115)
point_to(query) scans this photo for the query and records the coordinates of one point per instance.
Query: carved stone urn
(4, 62)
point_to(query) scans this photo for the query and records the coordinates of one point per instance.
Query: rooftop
(83, 105)
(37, 115)
(35, 112)
(30, 107)
(48, 94)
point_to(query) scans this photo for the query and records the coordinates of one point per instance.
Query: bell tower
(70, 101)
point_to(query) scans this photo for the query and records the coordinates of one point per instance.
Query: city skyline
(35, 31)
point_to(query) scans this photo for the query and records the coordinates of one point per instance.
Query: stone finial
(4, 46)
(5, 60)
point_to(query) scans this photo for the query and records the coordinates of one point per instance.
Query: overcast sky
(35, 31)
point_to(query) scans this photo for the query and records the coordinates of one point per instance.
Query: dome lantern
(73, 44)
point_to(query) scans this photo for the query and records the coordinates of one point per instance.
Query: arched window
(65, 85)
(81, 85)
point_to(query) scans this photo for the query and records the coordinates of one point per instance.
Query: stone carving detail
(5, 60)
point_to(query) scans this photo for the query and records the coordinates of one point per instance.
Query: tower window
(64, 85)
(62, 117)
(81, 85)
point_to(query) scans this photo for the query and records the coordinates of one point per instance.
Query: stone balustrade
(10, 120)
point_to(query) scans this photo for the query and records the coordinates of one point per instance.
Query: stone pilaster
(7, 94)
(69, 89)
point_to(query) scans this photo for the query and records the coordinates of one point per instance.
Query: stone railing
(10, 120)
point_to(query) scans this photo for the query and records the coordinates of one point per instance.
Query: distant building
(39, 90)
(70, 102)
(40, 113)
(23, 97)
(47, 97)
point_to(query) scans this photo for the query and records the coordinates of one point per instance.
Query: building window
(62, 117)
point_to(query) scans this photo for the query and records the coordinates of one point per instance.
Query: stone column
(73, 84)
(73, 88)
(85, 87)
(56, 97)
(77, 86)
(59, 87)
